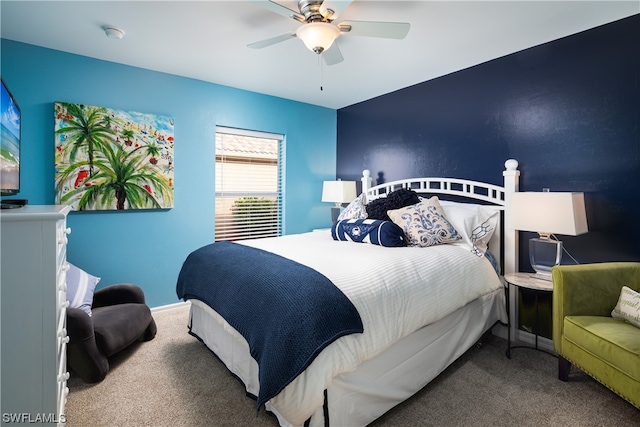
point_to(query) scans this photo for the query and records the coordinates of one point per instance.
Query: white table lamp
(548, 213)
(338, 192)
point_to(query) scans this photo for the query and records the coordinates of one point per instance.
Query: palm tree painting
(111, 159)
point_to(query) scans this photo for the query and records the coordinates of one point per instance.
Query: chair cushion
(80, 287)
(609, 339)
(117, 326)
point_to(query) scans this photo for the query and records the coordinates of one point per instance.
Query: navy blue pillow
(400, 198)
(377, 209)
(376, 232)
(403, 197)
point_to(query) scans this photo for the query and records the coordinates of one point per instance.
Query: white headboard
(504, 242)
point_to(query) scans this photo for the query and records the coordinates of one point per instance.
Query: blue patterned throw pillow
(355, 210)
(424, 224)
(376, 232)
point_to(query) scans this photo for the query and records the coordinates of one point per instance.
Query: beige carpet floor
(175, 380)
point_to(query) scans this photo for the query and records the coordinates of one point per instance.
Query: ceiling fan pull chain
(320, 65)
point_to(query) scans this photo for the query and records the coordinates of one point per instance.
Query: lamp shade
(338, 191)
(549, 212)
(318, 36)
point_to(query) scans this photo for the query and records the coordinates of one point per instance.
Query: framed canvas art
(109, 159)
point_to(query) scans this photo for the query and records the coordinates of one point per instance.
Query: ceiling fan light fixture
(318, 36)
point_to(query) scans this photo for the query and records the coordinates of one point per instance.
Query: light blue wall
(148, 247)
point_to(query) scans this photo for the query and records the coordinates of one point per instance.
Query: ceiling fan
(319, 32)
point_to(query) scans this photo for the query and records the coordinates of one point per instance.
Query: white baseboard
(169, 307)
(530, 339)
(500, 330)
(523, 337)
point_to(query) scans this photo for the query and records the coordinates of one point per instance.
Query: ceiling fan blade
(332, 56)
(279, 9)
(273, 40)
(388, 30)
(330, 9)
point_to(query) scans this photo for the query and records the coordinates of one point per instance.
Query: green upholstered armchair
(585, 334)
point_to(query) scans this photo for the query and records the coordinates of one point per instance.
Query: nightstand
(528, 281)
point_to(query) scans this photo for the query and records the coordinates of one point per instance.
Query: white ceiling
(206, 40)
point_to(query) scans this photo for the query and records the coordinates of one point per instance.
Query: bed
(418, 308)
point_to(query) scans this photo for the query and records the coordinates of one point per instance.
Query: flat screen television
(9, 144)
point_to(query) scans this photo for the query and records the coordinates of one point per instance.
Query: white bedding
(396, 291)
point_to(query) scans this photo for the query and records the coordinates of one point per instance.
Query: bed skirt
(379, 384)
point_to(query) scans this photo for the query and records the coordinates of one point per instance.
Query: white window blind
(248, 184)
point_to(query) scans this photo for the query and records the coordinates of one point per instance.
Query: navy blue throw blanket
(286, 311)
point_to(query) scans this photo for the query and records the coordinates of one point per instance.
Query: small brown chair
(119, 318)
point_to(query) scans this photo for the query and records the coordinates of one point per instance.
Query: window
(248, 184)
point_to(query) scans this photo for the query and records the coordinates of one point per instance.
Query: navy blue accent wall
(567, 110)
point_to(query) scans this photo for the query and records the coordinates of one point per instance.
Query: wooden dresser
(33, 294)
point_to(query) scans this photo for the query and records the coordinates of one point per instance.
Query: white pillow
(475, 223)
(80, 287)
(628, 306)
(424, 224)
(355, 210)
